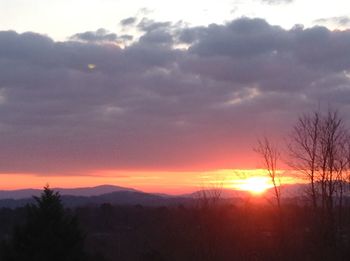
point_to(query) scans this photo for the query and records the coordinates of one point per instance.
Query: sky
(159, 95)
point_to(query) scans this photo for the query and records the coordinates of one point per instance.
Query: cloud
(337, 20)
(77, 106)
(100, 35)
(240, 38)
(126, 37)
(148, 25)
(128, 21)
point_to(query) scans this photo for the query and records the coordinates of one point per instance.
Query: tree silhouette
(49, 233)
(320, 149)
(270, 156)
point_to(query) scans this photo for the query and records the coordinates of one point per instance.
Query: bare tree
(270, 155)
(303, 147)
(319, 147)
(333, 162)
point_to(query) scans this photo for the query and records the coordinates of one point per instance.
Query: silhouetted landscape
(131, 225)
(127, 196)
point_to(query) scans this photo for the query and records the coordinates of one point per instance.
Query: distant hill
(91, 196)
(86, 191)
(115, 198)
(127, 196)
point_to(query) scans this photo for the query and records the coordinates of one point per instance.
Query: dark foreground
(201, 232)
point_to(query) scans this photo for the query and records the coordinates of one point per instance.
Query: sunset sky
(161, 96)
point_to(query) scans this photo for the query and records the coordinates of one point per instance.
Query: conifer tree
(49, 233)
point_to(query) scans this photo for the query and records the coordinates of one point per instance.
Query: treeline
(202, 231)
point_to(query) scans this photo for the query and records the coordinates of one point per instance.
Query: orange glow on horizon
(170, 182)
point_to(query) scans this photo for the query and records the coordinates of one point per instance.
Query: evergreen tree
(49, 233)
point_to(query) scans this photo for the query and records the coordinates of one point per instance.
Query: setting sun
(255, 185)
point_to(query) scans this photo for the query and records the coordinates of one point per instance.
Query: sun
(255, 185)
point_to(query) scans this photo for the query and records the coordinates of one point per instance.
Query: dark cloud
(240, 38)
(148, 25)
(100, 35)
(76, 106)
(128, 21)
(157, 33)
(157, 37)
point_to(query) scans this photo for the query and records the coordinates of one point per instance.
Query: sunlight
(255, 185)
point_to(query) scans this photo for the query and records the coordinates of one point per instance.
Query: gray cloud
(100, 35)
(148, 25)
(128, 21)
(240, 38)
(76, 106)
(126, 37)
